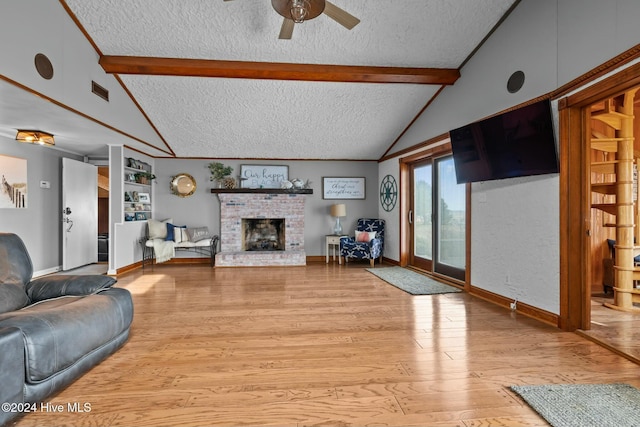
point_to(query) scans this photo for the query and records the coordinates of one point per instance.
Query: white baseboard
(47, 271)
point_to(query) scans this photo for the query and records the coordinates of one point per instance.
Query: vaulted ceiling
(215, 80)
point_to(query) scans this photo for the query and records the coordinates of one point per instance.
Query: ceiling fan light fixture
(299, 10)
(35, 137)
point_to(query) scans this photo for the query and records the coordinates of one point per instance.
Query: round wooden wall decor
(44, 66)
(388, 193)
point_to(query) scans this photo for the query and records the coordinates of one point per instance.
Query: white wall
(39, 225)
(514, 239)
(124, 236)
(28, 27)
(515, 222)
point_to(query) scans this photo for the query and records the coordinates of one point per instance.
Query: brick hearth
(236, 206)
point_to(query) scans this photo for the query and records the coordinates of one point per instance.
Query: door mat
(581, 405)
(412, 282)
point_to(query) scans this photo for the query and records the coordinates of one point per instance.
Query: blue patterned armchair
(365, 248)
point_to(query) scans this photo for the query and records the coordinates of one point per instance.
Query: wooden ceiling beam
(276, 70)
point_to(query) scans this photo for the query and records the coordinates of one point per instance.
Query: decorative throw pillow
(199, 233)
(180, 234)
(365, 236)
(158, 229)
(170, 228)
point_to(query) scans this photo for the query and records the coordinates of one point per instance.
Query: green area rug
(584, 405)
(411, 282)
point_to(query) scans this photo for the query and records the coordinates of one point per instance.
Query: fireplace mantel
(261, 191)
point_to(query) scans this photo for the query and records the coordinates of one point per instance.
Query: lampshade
(35, 137)
(338, 210)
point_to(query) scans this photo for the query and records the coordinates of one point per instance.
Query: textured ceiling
(231, 118)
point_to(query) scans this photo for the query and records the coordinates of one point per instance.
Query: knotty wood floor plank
(321, 345)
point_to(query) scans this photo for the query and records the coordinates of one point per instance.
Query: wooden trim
(424, 144)
(270, 159)
(404, 188)
(81, 114)
(413, 121)
(606, 68)
(610, 87)
(575, 312)
(574, 256)
(522, 308)
(275, 70)
(437, 151)
(128, 268)
(75, 19)
(144, 114)
(386, 260)
(194, 260)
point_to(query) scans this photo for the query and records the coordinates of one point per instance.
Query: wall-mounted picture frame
(141, 216)
(343, 187)
(13, 182)
(263, 176)
(144, 198)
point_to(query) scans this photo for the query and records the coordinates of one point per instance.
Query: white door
(80, 214)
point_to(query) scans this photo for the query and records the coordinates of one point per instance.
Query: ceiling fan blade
(340, 16)
(287, 29)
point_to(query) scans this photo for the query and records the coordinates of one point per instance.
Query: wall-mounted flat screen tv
(516, 143)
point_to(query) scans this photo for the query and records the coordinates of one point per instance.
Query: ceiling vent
(100, 91)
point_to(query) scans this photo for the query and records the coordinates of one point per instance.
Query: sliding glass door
(437, 218)
(420, 216)
(450, 223)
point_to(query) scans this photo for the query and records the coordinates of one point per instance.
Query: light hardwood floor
(322, 345)
(614, 329)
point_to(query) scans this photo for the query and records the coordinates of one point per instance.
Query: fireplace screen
(263, 234)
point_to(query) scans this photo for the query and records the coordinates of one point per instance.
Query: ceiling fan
(298, 11)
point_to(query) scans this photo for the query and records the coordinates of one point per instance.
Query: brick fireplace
(261, 229)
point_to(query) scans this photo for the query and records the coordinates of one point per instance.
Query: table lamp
(338, 211)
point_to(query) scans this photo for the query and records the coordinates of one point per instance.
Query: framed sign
(343, 187)
(263, 176)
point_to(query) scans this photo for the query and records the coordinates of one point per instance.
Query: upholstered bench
(163, 238)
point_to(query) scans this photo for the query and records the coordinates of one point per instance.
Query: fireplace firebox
(263, 234)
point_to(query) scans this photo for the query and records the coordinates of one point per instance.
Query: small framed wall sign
(263, 176)
(144, 198)
(343, 187)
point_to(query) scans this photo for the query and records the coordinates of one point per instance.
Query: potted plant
(144, 177)
(219, 172)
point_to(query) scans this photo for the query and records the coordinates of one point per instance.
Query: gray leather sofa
(53, 329)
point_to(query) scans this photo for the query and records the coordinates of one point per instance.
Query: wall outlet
(514, 305)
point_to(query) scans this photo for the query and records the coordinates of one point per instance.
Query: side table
(333, 240)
